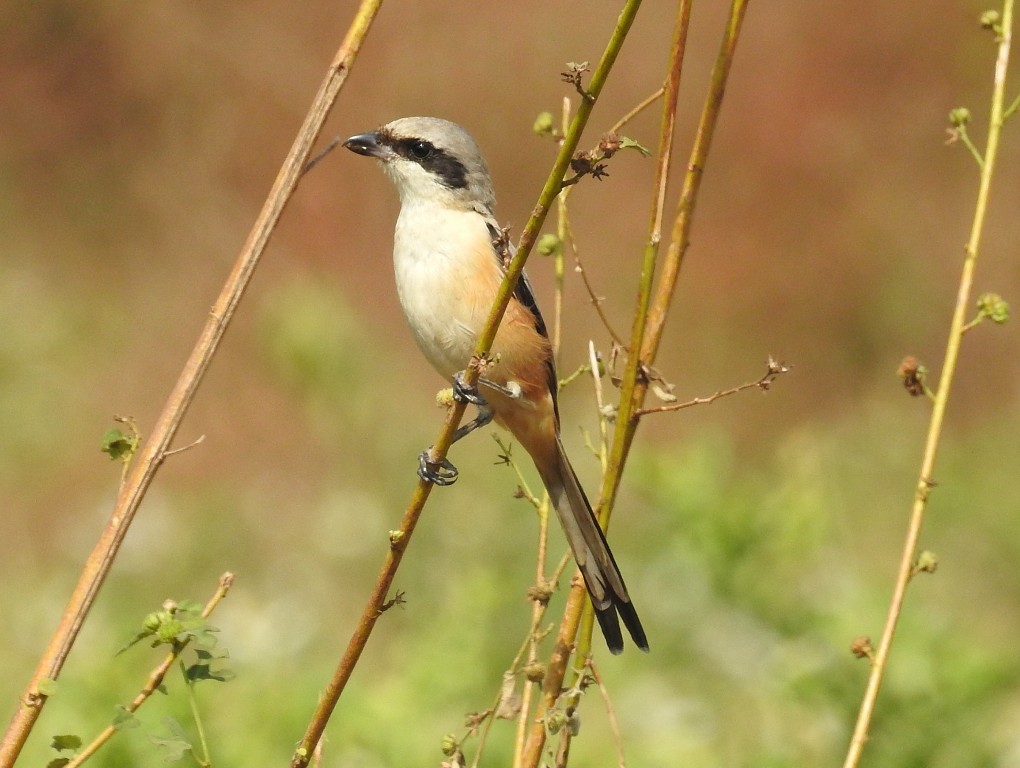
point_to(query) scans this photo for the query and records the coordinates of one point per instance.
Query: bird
(450, 257)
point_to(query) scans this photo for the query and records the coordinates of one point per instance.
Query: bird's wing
(526, 296)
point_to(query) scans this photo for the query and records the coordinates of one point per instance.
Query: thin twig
(575, 374)
(925, 480)
(151, 456)
(183, 448)
(614, 725)
(562, 223)
(593, 298)
(524, 490)
(764, 383)
(336, 141)
(156, 676)
(1009, 111)
(960, 134)
(641, 107)
(205, 760)
(600, 407)
(566, 234)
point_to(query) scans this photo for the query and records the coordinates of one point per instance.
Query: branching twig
(956, 332)
(641, 107)
(193, 444)
(151, 456)
(593, 298)
(775, 369)
(566, 234)
(155, 679)
(333, 144)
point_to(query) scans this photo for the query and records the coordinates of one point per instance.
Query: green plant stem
(204, 761)
(1011, 109)
(553, 185)
(974, 151)
(956, 331)
(156, 448)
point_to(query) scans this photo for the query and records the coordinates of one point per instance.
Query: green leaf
(176, 742)
(140, 636)
(203, 668)
(68, 742)
(118, 445)
(58, 762)
(628, 143)
(124, 720)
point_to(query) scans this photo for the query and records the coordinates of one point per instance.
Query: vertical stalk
(925, 479)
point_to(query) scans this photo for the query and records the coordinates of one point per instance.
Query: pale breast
(446, 279)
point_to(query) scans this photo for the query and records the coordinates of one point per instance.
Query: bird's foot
(441, 473)
(466, 393)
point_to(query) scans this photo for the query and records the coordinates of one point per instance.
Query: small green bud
(534, 672)
(444, 398)
(152, 621)
(555, 721)
(168, 631)
(959, 117)
(395, 537)
(927, 562)
(990, 19)
(549, 245)
(544, 124)
(992, 306)
(449, 745)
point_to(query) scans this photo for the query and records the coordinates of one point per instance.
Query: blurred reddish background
(137, 142)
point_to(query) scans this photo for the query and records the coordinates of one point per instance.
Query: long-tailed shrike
(448, 256)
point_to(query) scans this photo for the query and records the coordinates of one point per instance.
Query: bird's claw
(440, 473)
(465, 393)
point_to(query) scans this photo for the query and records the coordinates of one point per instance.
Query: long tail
(602, 576)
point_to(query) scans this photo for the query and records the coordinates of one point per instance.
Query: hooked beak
(368, 144)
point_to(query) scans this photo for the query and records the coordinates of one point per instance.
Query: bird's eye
(421, 149)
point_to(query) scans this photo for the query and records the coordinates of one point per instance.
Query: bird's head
(430, 160)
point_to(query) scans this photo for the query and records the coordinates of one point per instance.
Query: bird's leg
(484, 417)
(441, 473)
(463, 393)
(444, 472)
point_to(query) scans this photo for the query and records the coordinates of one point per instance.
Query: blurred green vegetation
(759, 536)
